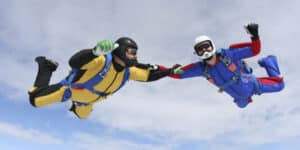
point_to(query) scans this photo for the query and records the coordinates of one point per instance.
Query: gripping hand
(177, 69)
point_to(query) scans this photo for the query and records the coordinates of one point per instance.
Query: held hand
(104, 47)
(252, 29)
(177, 69)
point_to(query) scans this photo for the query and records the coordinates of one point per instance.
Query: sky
(164, 115)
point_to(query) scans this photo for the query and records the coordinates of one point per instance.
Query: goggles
(132, 51)
(202, 47)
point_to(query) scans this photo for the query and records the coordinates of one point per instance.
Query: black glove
(252, 29)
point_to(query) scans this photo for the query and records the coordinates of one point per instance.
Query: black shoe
(42, 60)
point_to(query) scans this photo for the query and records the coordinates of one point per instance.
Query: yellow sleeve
(96, 62)
(139, 74)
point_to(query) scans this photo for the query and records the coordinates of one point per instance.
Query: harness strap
(237, 73)
(67, 82)
(233, 80)
(89, 85)
(207, 73)
(258, 89)
(98, 77)
(244, 72)
(231, 66)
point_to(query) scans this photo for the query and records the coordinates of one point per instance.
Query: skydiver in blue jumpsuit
(226, 69)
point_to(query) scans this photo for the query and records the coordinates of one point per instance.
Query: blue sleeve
(192, 70)
(240, 53)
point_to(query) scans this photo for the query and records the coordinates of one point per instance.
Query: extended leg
(270, 84)
(47, 95)
(274, 82)
(41, 93)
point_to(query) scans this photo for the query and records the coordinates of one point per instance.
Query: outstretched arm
(255, 44)
(148, 72)
(188, 71)
(158, 74)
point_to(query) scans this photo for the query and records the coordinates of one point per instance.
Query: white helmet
(202, 39)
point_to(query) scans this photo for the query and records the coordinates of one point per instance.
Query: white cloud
(33, 135)
(269, 126)
(168, 115)
(174, 117)
(165, 110)
(87, 141)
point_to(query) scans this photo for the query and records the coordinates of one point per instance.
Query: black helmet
(127, 42)
(124, 44)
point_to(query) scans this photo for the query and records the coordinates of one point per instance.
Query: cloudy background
(164, 115)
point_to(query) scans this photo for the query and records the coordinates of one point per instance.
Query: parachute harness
(89, 85)
(244, 73)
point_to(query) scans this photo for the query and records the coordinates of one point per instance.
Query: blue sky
(163, 115)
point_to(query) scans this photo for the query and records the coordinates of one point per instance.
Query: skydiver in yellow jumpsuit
(96, 73)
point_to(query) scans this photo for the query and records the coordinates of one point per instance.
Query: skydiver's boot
(271, 65)
(46, 67)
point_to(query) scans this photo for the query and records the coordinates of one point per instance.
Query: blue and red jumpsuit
(229, 75)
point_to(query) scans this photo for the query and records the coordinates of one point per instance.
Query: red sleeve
(255, 45)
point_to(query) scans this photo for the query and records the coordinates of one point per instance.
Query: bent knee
(281, 86)
(32, 99)
(32, 95)
(32, 102)
(82, 112)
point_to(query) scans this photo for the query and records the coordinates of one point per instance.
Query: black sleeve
(143, 66)
(81, 58)
(157, 74)
(155, 71)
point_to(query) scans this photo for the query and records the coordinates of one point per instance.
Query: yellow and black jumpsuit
(85, 87)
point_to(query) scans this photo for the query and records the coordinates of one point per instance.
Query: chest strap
(88, 84)
(230, 65)
(93, 81)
